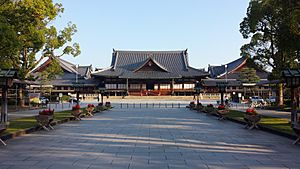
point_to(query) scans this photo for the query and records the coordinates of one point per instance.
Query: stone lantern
(292, 80)
(198, 88)
(222, 89)
(6, 81)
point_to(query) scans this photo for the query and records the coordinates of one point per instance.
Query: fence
(149, 105)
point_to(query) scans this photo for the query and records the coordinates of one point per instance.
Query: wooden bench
(2, 129)
(296, 128)
(252, 121)
(45, 121)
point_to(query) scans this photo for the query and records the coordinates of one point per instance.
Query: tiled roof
(68, 67)
(124, 64)
(216, 71)
(220, 71)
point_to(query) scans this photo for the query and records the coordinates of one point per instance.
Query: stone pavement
(150, 138)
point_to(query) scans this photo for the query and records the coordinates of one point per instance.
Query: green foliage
(28, 32)
(51, 72)
(273, 26)
(8, 44)
(248, 75)
(65, 98)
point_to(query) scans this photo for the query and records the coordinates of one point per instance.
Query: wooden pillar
(77, 96)
(222, 98)
(127, 87)
(172, 86)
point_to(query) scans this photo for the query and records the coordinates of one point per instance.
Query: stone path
(150, 138)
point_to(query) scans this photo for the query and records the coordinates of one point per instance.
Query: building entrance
(150, 86)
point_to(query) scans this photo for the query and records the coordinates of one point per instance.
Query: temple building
(74, 79)
(149, 73)
(153, 73)
(230, 73)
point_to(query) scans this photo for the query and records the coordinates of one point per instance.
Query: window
(164, 86)
(135, 86)
(121, 86)
(189, 86)
(111, 86)
(177, 86)
(156, 87)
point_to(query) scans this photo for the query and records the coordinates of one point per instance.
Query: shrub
(65, 98)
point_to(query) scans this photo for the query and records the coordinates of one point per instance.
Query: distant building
(153, 73)
(150, 73)
(230, 73)
(75, 78)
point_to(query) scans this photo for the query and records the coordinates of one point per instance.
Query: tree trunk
(280, 95)
(21, 96)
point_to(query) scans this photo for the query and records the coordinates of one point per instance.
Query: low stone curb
(261, 127)
(36, 128)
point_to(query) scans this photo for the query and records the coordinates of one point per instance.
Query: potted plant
(210, 109)
(222, 111)
(76, 107)
(76, 111)
(48, 112)
(90, 108)
(252, 118)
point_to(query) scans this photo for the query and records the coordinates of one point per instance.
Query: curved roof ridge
(67, 65)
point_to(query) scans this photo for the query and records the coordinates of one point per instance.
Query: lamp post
(102, 92)
(222, 88)
(197, 89)
(292, 79)
(77, 88)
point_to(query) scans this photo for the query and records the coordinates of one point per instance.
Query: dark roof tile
(175, 62)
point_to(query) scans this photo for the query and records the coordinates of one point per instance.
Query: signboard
(240, 94)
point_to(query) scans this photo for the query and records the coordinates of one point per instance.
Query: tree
(8, 42)
(50, 73)
(248, 76)
(273, 27)
(37, 38)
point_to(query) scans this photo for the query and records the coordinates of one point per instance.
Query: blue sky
(209, 29)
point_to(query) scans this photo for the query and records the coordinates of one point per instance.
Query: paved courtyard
(150, 138)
